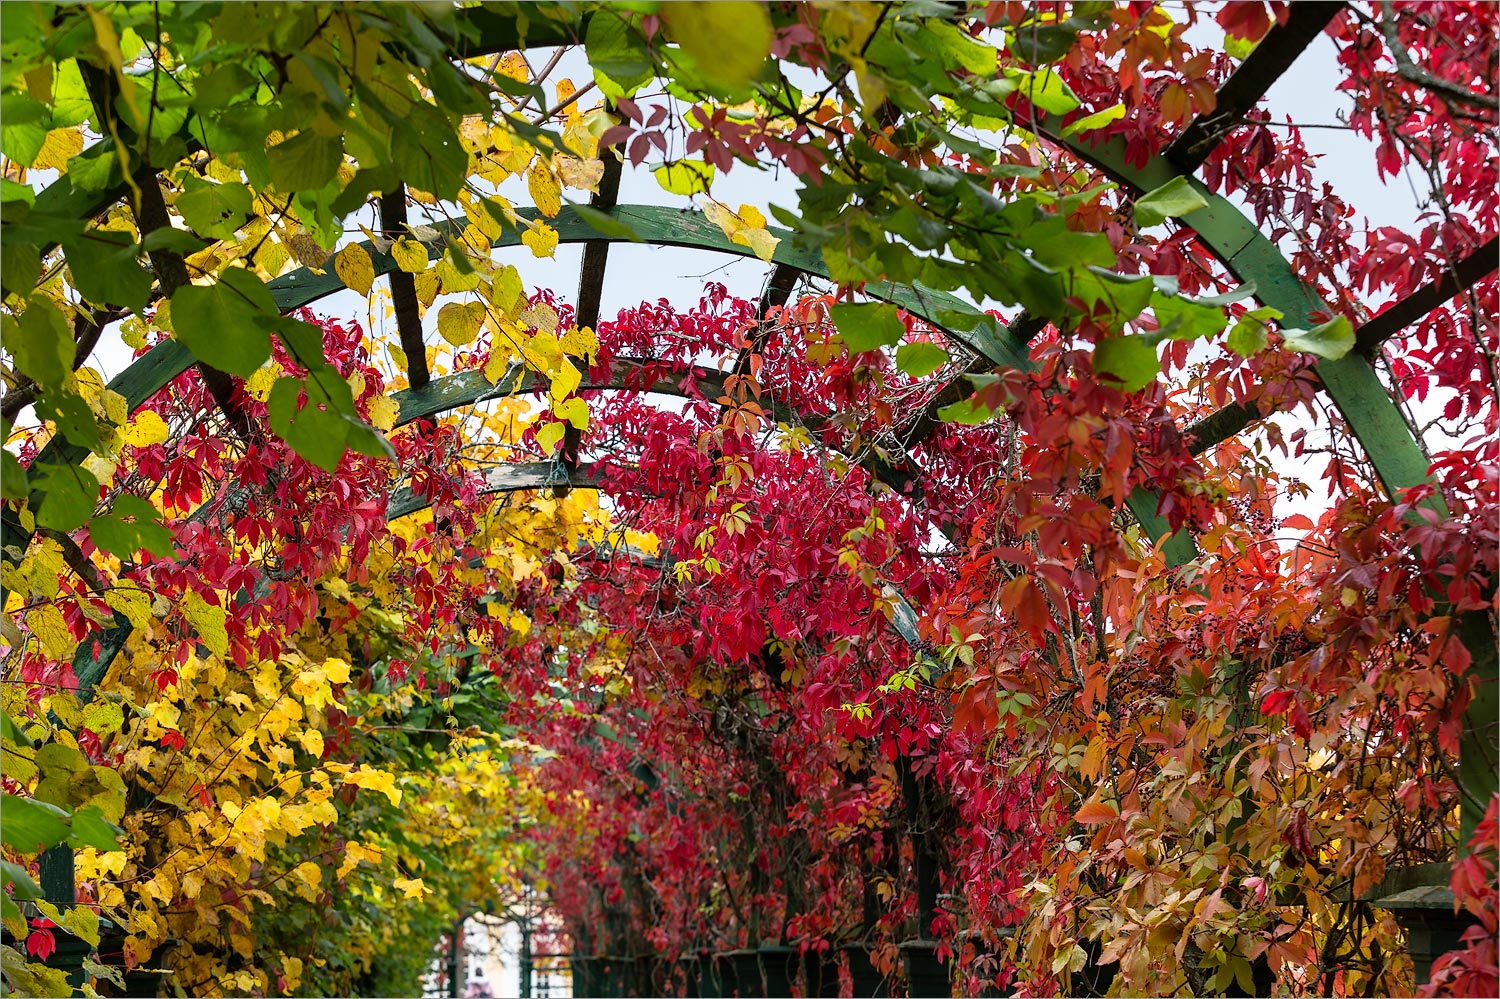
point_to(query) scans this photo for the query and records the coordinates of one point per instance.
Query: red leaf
(1277, 702)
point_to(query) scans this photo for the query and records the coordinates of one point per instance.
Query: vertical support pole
(453, 958)
(526, 962)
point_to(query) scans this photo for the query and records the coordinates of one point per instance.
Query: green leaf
(727, 40)
(920, 359)
(15, 874)
(178, 241)
(124, 538)
(10, 730)
(12, 191)
(214, 210)
(31, 826)
(1330, 340)
(20, 267)
(13, 480)
(69, 495)
(428, 153)
(1095, 121)
(40, 341)
(323, 427)
(105, 270)
(1185, 318)
(223, 323)
(310, 429)
(74, 419)
(964, 50)
(24, 124)
(685, 176)
(305, 162)
(1249, 333)
(868, 326)
(1044, 88)
(97, 168)
(70, 97)
(91, 828)
(966, 411)
(1129, 360)
(1173, 199)
(617, 54)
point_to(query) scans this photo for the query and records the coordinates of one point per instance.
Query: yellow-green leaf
(410, 255)
(356, 270)
(459, 322)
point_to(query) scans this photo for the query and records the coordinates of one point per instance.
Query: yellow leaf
(513, 65)
(355, 269)
(581, 342)
(453, 280)
(383, 413)
(498, 364)
(459, 322)
(541, 317)
(565, 382)
(543, 352)
(312, 741)
(476, 240)
(575, 411)
(550, 436)
(354, 853)
(542, 239)
(291, 970)
(746, 227)
(410, 255)
(207, 620)
(376, 780)
(545, 193)
(62, 145)
(506, 292)
(427, 286)
(582, 175)
(83, 923)
(752, 216)
(134, 604)
(47, 624)
(145, 429)
(336, 669)
(412, 887)
(309, 878)
(761, 243)
(259, 384)
(481, 216)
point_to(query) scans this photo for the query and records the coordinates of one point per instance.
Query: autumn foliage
(1076, 568)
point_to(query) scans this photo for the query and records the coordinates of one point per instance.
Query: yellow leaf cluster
(747, 227)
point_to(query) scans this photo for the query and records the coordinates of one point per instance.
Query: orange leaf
(1096, 813)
